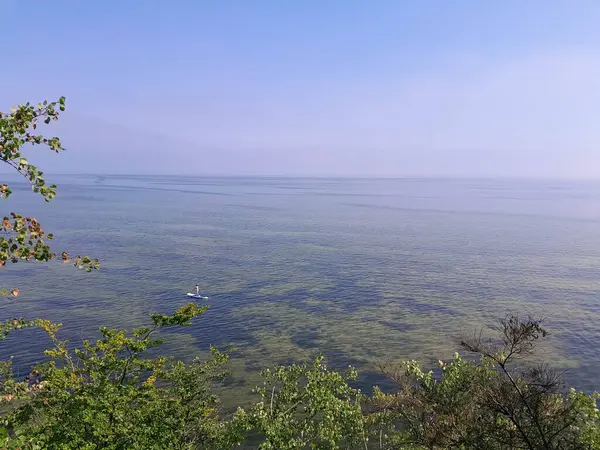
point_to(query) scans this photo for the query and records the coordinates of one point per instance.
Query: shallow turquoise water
(363, 270)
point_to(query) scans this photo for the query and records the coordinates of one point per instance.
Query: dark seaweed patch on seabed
(351, 297)
(342, 298)
(250, 364)
(399, 326)
(307, 339)
(369, 378)
(218, 328)
(584, 343)
(339, 360)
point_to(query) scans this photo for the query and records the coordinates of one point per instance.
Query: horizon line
(322, 176)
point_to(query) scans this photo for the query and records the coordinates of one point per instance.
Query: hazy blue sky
(317, 87)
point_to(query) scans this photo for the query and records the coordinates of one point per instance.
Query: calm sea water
(365, 271)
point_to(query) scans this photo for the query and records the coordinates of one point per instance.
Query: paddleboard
(201, 297)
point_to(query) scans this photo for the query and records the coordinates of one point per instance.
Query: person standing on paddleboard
(197, 288)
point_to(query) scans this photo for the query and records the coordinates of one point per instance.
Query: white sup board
(201, 297)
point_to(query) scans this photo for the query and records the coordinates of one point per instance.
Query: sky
(312, 87)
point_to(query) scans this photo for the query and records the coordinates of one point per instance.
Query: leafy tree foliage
(306, 407)
(493, 404)
(107, 395)
(22, 238)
